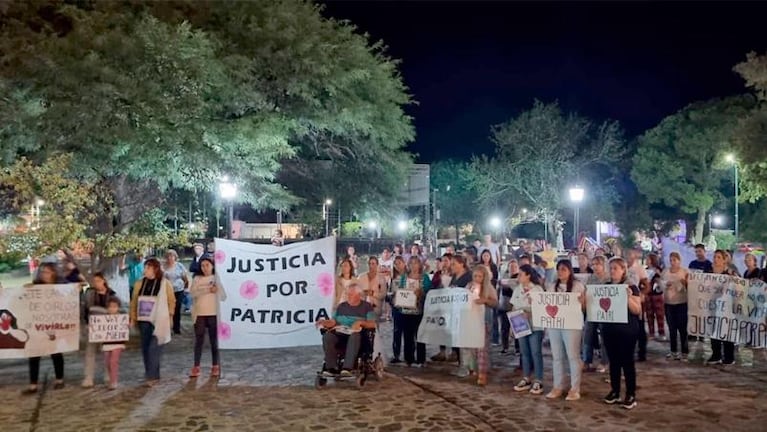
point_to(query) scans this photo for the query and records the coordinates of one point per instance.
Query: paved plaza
(272, 390)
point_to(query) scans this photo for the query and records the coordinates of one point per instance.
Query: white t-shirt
(636, 273)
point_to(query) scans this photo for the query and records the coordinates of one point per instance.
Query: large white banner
(450, 317)
(275, 294)
(727, 308)
(39, 320)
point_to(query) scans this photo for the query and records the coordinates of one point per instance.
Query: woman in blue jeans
(566, 344)
(531, 345)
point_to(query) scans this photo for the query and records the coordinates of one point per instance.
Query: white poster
(451, 317)
(108, 328)
(275, 294)
(557, 310)
(39, 320)
(607, 303)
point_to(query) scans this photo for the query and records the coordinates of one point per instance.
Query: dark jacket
(91, 299)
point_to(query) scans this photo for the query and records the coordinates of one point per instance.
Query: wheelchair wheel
(320, 382)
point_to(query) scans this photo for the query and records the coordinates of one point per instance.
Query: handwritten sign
(607, 303)
(727, 308)
(39, 320)
(451, 317)
(557, 310)
(520, 326)
(108, 328)
(405, 299)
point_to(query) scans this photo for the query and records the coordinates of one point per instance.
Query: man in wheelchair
(346, 326)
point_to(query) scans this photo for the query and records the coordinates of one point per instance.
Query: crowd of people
(657, 297)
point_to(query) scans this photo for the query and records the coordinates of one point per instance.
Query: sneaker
(58, 385)
(612, 398)
(677, 357)
(537, 388)
(523, 385)
(461, 372)
(630, 402)
(554, 394)
(417, 365)
(346, 373)
(573, 395)
(713, 361)
(29, 391)
(504, 351)
(439, 357)
(395, 360)
(215, 371)
(728, 362)
(329, 373)
(195, 372)
(685, 359)
(670, 355)
(602, 369)
(151, 383)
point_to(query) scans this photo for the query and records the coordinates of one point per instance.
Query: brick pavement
(272, 390)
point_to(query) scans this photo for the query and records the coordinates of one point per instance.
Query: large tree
(156, 95)
(542, 152)
(752, 134)
(681, 161)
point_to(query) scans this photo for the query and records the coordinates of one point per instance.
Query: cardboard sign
(520, 326)
(405, 299)
(607, 303)
(557, 310)
(108, 328)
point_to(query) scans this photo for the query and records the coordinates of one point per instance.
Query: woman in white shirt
(566, 344)
(207, 294)
(530, 346)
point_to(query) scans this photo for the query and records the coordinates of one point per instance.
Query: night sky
(474, 64)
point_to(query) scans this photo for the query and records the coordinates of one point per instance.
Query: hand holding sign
(405, 299)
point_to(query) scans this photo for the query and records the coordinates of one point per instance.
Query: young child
(112, 350)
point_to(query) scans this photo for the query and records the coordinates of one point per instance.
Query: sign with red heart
(557, 310)
(607, 303)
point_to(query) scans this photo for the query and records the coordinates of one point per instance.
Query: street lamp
(402, 226)
(576, 196)
(495, 222)
(372, 225)
(718, 220)
(228, 190)
(325, 216)
(730, 158)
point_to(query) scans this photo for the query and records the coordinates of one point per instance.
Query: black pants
(202, 323)
(177, 311)
(505, 329)
(396, 343)
(676, 317)
(641, 342)
(620, 350)
(34, 367)
(716, 350)
(414, 352)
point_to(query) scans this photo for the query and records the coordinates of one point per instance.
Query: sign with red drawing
(607, 303)
(557, 310)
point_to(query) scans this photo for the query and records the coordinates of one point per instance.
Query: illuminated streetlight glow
(328, 201)
(729, 157)
(576, 194)
(402, 225)
(227, 190)
(372, 224)
(718, 220)
(524, 210)
(40, 202)
(495, 222)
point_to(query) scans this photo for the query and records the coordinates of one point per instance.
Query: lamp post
(326, 216)
(576, 196)
(228, 191)
(731, 159)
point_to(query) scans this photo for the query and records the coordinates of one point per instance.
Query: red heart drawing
(604, 303)
(552, 310)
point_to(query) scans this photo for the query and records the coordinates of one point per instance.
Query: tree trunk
(700, 224)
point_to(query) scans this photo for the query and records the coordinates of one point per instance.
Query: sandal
(215, 371)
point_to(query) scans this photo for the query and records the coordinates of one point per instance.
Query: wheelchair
(366, 364)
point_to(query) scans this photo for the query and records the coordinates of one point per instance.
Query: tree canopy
(681, 161)
(156, 95)
(750, 142)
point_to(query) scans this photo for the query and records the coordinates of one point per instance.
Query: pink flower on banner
(219, 256)
(325, 283)
(224, 331)
(249, 290)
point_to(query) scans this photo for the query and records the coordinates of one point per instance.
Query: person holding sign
(400, 268)
(621, 338)
(673, 282)
(599, 276)
(721, 267)
(151, 308)
(207, 294)
(531, 345)
(373, 285)
(484, 294)
(47, 274)
(408, 298)
(566, 344)
(94, 301)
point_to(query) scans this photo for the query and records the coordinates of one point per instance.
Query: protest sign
(727, 308)
(451, 317)
(520, 326)
(39, 320)
(405, 299)
(557, 310)
(108, 328)
(607, 303)
(275, 294)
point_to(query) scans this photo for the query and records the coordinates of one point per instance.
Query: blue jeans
(150, 351)
(566, 348)
(532, 355)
